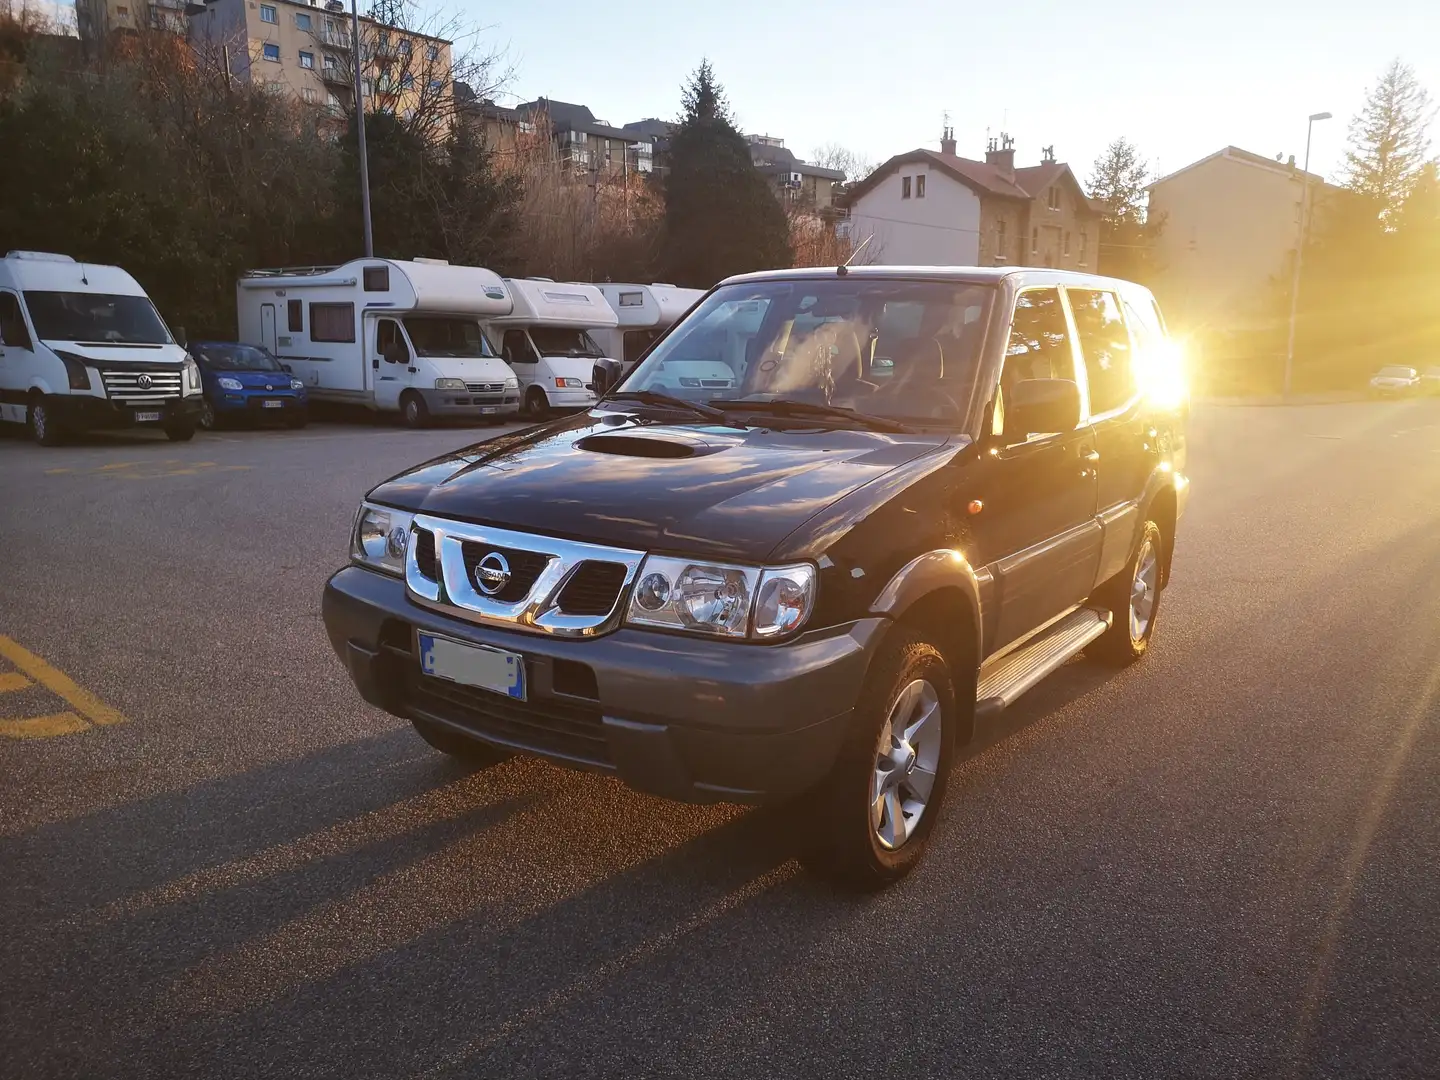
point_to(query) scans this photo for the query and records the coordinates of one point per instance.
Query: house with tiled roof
(929, 208)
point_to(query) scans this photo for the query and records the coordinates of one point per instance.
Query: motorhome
(82, 348)
(645, 312)
(385, 334)
(548, 339)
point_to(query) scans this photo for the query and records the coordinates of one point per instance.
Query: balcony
(335, 73)
(333, 37)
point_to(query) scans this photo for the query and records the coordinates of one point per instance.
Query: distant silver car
(1394, 381)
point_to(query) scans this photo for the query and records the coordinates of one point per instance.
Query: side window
(1039, 346)
(1105, 345)
(516, 348)
(377, 278)
(295, 315)
(12, 322)
(387, 336)
(637, 341)
(332, 322)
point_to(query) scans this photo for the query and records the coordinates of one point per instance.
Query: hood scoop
(649, 444)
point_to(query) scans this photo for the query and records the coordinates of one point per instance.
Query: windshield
(1397, 373)
(236, 358)
(436, 335)
(564, 341)
(907, 350)
(97, 317)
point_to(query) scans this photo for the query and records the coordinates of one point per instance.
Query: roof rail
(290, 271)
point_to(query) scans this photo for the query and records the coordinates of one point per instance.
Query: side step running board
(1004, 678)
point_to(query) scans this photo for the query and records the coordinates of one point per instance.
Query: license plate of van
(472, 665)
(485, 410)
(148, 417)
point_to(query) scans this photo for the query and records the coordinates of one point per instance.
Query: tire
(414, 411)
(44, 428)
(537, 404)
(1133, 615)
(458, 746)
(208, 420)
(180, 432)
(854, 836)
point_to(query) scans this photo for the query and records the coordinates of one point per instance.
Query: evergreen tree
(1388, 139)
(721, 217)
(1119, 183)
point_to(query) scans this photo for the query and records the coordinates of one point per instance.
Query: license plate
(473, 665)
(148, 417)
(273, 405)
(485, 409)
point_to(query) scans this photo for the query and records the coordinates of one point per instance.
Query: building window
(367, 88)
(904, 187)
(123, 12)
(272, 53)
(432, 53)
(377, 279)
(332, 322)
(1054, 197)
(1000, 238)
(310, 94)
(407, 80)
(1084, 245)
(307, 60)
(1065, 248)
(336, 105)
(296, 311)
(404, 46)
(267, 13)
(920, 186)
(436, 85)
(1035, 240)
(331, 64)
(302, 20)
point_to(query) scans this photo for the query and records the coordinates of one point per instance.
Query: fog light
(653, 592)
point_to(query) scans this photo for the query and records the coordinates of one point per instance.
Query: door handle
(1089, 454)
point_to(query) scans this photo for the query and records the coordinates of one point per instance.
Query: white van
(389, 335)
(645, 312)
(82, 348)
(548, 340)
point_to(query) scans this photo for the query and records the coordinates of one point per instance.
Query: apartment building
(579, 138)
(96, 19)
(794, 180)
(926, 208)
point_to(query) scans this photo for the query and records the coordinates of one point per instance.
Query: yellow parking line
(43, 727)
(57, 682)
(12, 680)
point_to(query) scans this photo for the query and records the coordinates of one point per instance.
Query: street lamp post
(360, 130)
(1300, 251)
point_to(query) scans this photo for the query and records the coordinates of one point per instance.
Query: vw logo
(144, 381)
(492, 573)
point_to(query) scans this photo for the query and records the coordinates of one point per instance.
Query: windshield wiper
(654, 397)
(800, 409)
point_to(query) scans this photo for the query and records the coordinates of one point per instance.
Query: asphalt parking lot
(216, 861)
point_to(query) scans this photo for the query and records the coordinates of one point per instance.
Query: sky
(1178, 78)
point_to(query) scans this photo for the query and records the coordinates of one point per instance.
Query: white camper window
(295, 316)
(332, 322)
(632, 299)
(377, 279)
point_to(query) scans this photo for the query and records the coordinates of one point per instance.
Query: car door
(16, 357)
(516, 350)
(1109, 338)
(391, 376)
(1035, 528)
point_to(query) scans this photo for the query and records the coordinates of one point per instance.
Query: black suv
(915, 493)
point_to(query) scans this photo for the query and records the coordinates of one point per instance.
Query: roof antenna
(844, 268)
(83, 279)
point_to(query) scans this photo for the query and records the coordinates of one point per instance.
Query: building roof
(565, 116)
(980, 177)
(773, 158)
(1234, 153)
(650, 128)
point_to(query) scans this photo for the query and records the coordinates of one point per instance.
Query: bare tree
(854, 165)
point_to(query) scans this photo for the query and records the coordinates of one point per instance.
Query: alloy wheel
(1143, 590)
(906, 760)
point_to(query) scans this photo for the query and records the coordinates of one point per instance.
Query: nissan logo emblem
(144, 381)
(492, 573)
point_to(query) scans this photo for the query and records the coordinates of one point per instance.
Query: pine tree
(721, 217)
(1118, 184)
(1388, 139)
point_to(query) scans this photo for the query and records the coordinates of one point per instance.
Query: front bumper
(465, 403)
(85, 412)
(257, 404)
(690, 719)
(571, 399)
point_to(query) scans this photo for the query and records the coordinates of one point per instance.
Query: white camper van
(82, 348)
(548, 340)
(388, 335)
(645, 312)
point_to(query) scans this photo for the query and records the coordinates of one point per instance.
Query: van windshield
(564, 341)
(887, 347)
(437, 335)
(101, 318)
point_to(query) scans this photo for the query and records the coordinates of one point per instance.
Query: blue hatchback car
(245, 382)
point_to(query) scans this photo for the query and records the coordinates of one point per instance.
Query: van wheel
(44, 428)
(414, 411)
(471, 751)
(1133, 599)
(536, 403)
(868, 821)
(180, 432)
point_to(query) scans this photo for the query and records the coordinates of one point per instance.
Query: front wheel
(414, 411)
(44, 428)
(472, 751)
(180, 432)
(1133, 599)
(869, 819)
(536, 403)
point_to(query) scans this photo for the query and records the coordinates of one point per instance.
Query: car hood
(711, 491)
(96, 353)
(257, 380)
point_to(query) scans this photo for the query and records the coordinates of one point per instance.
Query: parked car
(809, 586)
(245, 382)
(1394, 381)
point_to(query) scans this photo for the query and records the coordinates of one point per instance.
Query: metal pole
(1299, 256)
(360, 130)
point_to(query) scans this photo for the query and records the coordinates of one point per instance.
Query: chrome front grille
(142, 387)
(484, 387)
(554, 586)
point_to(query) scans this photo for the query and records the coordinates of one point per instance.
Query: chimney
(947, 140)
(1001, 154)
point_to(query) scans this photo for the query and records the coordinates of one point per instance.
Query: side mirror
(396, 353)
(605, 375)
(286, 368)
(1040, 406)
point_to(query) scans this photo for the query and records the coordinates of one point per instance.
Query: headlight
(689, 380)
(449, 384)
(76, 372)
(227, 383)
(192, 375)
(573, 384)
(511, 383)
(720, 599)
(296, 384)
(380, 538)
